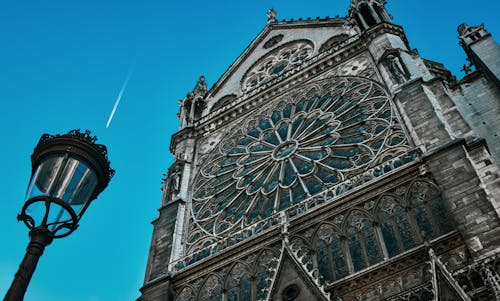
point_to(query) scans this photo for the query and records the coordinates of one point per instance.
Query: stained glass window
(332, 264)
(186, 294)
(363, 243)
(304, 142)
(396, 229)
(239, 285)
(211, 289)
(428, 209)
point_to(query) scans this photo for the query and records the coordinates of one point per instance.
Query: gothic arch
(211, 290)
(331, 257)
(333, 41)
(223, 101)
(398, 232)
(187, 293)
(363, 239)
(238, 282)
(276, 62)
(301, 242)
(428, 208)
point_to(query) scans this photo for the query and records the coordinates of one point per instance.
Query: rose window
(277, 62)
(310, 139)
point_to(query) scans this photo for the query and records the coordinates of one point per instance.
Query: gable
(277, 49)
(294, 279)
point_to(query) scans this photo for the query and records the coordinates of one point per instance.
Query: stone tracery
(308, 140)
(327, 248)
(276, 63)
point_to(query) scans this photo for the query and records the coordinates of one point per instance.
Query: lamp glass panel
(44, 176)
(69, 180)
(76, 184)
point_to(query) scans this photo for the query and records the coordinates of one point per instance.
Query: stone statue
(174, 182)
(176, 179)
(200, 89)
(396, 68)
(466, 69)
(271, 16)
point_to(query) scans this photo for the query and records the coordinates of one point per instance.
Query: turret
(193, 104)
(482, 51)
(367, 13)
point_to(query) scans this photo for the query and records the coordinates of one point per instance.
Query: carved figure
(396, 68)
(466, 69)
(271, 15)
(176, 179)
(200, 89)
(174, 182)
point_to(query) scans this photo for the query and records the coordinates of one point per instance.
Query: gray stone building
(332, 162)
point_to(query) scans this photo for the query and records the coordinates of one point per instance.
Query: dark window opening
(365, 12)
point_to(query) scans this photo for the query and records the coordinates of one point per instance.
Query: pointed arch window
(396, 229)
(364, 247)
(211, 289)
(186, 294)
(330, 253)
(238, 284)
(428, 209)
(263, 266)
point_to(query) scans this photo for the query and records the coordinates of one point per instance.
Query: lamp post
(68, 173)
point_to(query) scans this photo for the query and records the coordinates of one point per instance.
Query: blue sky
(62, 64)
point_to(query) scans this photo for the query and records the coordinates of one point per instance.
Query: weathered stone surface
(367, 237)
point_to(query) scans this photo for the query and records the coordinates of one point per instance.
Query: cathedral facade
(332, 162)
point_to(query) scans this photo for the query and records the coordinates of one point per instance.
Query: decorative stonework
(273, 41)
(248, 278)
(333, 42)
(359, 66)
(206, 145)
(318, 136)
(276, 62)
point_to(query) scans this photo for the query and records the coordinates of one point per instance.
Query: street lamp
(68, 173)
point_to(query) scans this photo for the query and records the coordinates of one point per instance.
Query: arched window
(365, 12)
(364, 246)
(396, 229)
(266, 261)
(238, 283)
(380, 12)
(186, 294)
(211, 289)
(330, 253)
(225, 100)
(333, 41)
(428, 209)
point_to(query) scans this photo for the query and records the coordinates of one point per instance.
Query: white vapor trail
(117, 102)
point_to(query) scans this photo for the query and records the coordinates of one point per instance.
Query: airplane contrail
(117, 102)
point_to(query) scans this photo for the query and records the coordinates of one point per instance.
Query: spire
(469, 34)
(483, 52)
(192, 105)
(367, 13)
